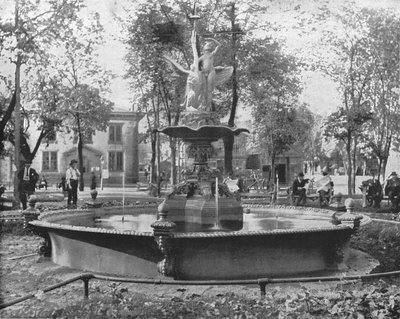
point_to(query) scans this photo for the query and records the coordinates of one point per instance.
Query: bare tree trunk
(349, 166)
(229, 141)
(384, 163)
(354, 167)
(179, 168)
(228, 154)
(80, 153)
(17, 117)
(172, 143)
(153, 173)
(158, 165)
(379, 168)
(273, 167)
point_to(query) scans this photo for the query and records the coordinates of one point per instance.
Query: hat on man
(73, 161)
(300, 174)
(393, 174)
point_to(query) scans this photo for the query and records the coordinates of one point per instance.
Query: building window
(116, 161)
(115, 133)
(49, 162)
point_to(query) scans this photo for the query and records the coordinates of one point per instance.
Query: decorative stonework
(162, 232)
(197, 119)
(200, 152)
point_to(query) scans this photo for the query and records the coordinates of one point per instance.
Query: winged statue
(202, 77)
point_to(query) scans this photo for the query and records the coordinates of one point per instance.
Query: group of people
(28, 178)
(324, 188)
(373, 191)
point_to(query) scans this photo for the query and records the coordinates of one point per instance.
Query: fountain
(200, 231)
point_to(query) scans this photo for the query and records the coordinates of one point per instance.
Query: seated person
(299, 189)
(392, 189)
(240, 185)
(325, 187)
(43, 182)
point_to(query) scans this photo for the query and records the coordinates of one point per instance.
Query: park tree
(273, 87)
(155, 29)
(84, 84)
(352, 70)
(384, 87)
(313, 146)
(24, 38)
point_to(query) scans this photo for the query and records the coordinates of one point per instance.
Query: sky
(319, 91)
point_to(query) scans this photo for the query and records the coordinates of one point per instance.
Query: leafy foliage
(383, 90)
(25, 41)
(273, 88)
(380, 300)
(352, 70)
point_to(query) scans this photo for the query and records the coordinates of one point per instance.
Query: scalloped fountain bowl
(274, 241)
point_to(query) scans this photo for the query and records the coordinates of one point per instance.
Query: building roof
(91, 149)
(120, 109)
(119, 113)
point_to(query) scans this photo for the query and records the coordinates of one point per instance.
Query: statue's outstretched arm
(217, 43)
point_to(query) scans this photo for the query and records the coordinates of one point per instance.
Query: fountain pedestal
(201, 202)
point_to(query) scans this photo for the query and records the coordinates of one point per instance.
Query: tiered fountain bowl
(199, 231)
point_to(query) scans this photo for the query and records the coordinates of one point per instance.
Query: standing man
(27, 182)
(72, 176)
(299, 188)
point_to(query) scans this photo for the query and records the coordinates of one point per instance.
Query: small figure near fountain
(325, 189)
(72, 175)
(392, 190)
(372, 192)
(27, 177)
(299, 189)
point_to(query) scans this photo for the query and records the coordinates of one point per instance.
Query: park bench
(142, 186)
(6, 203)
(311, 194)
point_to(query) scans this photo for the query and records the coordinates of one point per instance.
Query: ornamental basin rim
(205, 132)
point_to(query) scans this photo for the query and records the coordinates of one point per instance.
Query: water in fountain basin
(260, 219)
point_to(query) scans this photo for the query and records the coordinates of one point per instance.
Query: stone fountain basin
(267, 246)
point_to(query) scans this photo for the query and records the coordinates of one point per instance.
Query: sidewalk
(340, 182)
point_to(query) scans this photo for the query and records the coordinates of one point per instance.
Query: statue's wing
(222, 74)
(178, 69)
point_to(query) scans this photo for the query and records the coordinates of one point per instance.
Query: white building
(116, 151)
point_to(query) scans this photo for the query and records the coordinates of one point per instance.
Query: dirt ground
(31, 274)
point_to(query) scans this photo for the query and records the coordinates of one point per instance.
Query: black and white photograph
(200, 159)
